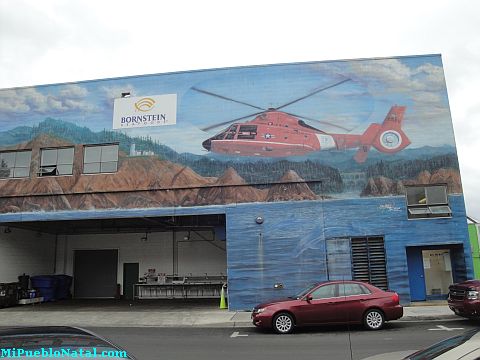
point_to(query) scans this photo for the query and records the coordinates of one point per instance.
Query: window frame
(429, 209)
(12, 170)
(100, 162)
(42, 167)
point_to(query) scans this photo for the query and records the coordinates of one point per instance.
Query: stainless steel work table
(187, 290)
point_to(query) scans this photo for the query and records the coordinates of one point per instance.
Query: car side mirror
(309, 297)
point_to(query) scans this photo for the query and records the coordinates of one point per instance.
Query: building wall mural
(289, 248)
(292, 132)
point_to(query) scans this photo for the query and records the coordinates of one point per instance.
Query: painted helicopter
(276, 133)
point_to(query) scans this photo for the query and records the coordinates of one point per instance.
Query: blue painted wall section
(289, 246)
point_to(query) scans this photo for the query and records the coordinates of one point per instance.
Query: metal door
(130, 277)
(95, 273)
(416, 274)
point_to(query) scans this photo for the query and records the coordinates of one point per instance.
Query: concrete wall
(194, 255)
(23, 251)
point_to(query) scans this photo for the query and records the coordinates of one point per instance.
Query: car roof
(342, 282)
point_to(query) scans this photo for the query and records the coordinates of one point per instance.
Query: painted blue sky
(366, 90)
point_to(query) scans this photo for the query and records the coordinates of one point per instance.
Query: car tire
(374, 319)
(283, 323)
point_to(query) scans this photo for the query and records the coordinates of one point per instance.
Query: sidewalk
(166, 317)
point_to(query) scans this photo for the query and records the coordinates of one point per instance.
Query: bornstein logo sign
(145, 104)
(151, 110)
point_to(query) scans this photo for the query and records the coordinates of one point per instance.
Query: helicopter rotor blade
(226, 98)
(313, 93)
(319, 121)
(230, 121)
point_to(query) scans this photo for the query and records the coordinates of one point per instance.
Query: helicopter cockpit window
(247, 132)
(219, 136)
(232, 130)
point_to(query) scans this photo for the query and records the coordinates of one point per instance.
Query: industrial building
(259, 179)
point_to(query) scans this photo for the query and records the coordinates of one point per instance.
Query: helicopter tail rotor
(387, 137)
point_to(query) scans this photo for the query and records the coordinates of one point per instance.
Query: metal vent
(368, 261)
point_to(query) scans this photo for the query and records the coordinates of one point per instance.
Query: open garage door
(174, 256)
(95, 273)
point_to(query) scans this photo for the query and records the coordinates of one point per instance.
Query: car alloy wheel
(283, 323)
(374, 319)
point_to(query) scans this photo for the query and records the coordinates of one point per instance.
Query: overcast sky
(53, 41)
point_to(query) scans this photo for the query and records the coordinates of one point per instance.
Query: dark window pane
(416, 196)
(48, 171)
(91, 154)
(219, 136)
(248, 128)
(436, 195)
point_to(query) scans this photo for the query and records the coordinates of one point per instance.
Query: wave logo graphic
(145, 104)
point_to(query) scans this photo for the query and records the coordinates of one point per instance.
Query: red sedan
(330, 302)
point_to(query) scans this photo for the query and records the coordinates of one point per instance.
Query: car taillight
(395, 298)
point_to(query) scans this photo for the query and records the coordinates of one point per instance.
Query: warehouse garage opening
(174, 257)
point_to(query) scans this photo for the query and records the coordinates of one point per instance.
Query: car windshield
(304, 291)
(442, 347)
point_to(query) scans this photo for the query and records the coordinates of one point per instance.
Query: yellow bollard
(223, 303)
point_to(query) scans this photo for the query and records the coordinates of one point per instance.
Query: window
(56, 162)
(339, 260)
(427, 202)
(231, 132)
(349, 289)
(15, 164)
(247, 132)
(324, 292)
(100, 159)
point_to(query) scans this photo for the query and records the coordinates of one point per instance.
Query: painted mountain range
(167, 178)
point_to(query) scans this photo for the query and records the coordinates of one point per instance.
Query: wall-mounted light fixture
(125, 94)
(259, 219)
(7, 230)
(144, 238)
